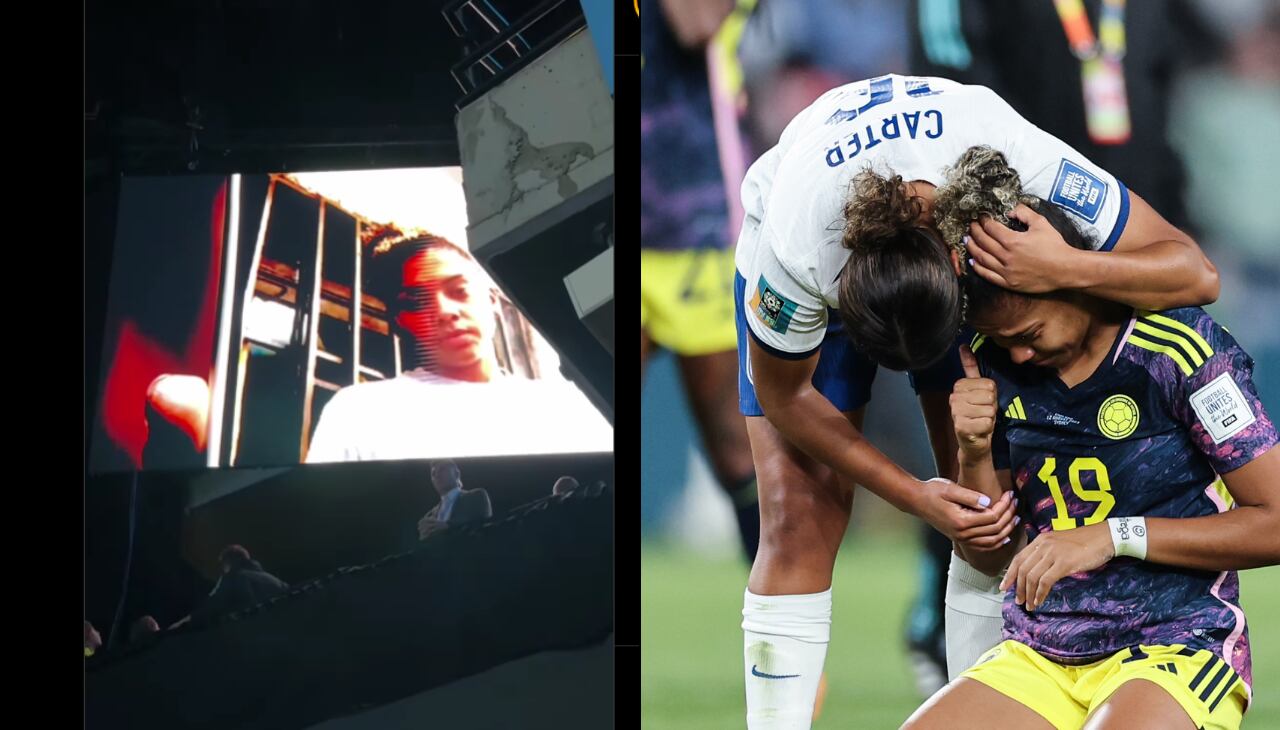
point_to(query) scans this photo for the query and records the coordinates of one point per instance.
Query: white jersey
(790, 253)
(420, 415)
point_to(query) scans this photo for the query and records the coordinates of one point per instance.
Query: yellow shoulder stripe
(1186, 346)
(1166, 349)
(1175, 324)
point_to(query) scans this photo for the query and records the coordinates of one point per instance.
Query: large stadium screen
(268, 320)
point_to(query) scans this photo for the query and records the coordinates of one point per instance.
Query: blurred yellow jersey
(686, 300)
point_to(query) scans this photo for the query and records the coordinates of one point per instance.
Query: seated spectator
(457, 505)
(92, 642)
(563, 486)
(244, 583)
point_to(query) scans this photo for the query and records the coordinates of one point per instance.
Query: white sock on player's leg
(973, 617)
(785, 647)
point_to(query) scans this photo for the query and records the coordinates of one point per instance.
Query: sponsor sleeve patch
(1221, 408)
(1078, 191)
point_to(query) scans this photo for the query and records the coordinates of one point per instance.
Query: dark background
(252, 86)
(301, 523)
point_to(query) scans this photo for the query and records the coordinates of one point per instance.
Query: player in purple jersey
(811, 277)
(1144, 468)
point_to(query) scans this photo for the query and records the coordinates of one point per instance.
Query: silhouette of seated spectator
(244, 583)
(457, 505)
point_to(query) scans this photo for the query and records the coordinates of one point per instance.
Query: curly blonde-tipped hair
(980, 183)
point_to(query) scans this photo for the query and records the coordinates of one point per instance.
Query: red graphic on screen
(139, 359)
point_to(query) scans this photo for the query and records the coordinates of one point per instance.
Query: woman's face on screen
(446, 306)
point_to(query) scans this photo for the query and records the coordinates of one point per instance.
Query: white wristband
(1129, 536)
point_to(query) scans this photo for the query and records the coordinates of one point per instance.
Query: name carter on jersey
(890, 128)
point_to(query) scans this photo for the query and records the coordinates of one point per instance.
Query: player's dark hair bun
(898, 296)
(878, 211)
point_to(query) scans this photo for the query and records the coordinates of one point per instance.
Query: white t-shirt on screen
(421, 415)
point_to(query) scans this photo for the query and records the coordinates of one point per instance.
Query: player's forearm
(1242, 538)
(978, 472)
(1163, 275)
(992, 562)
(813, 425)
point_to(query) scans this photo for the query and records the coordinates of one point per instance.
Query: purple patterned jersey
(1171, 408)
(683, 201)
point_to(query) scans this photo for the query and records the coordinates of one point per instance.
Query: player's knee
(788, 517)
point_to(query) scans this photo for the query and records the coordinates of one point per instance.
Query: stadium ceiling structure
(267, 85)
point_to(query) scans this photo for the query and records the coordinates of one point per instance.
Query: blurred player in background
(1112, 63)
(803, 384)
(686, 299)
(793, 51)
(1223, 155)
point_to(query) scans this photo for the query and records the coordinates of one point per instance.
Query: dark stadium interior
(240, 86)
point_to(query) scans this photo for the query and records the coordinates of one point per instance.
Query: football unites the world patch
(1222, 408)
(771, 307)
(1118, 417)
(1078, 191)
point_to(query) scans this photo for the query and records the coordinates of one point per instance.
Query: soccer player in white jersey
(803, 383)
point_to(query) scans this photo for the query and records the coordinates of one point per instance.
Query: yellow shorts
(1206, 688)
(686, 300)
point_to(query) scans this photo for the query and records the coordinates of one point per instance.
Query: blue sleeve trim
(1121, 219)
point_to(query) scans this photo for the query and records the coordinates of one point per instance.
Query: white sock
(973, 618)
(785, 647)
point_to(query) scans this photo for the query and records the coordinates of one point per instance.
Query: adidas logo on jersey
(1015, 409)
